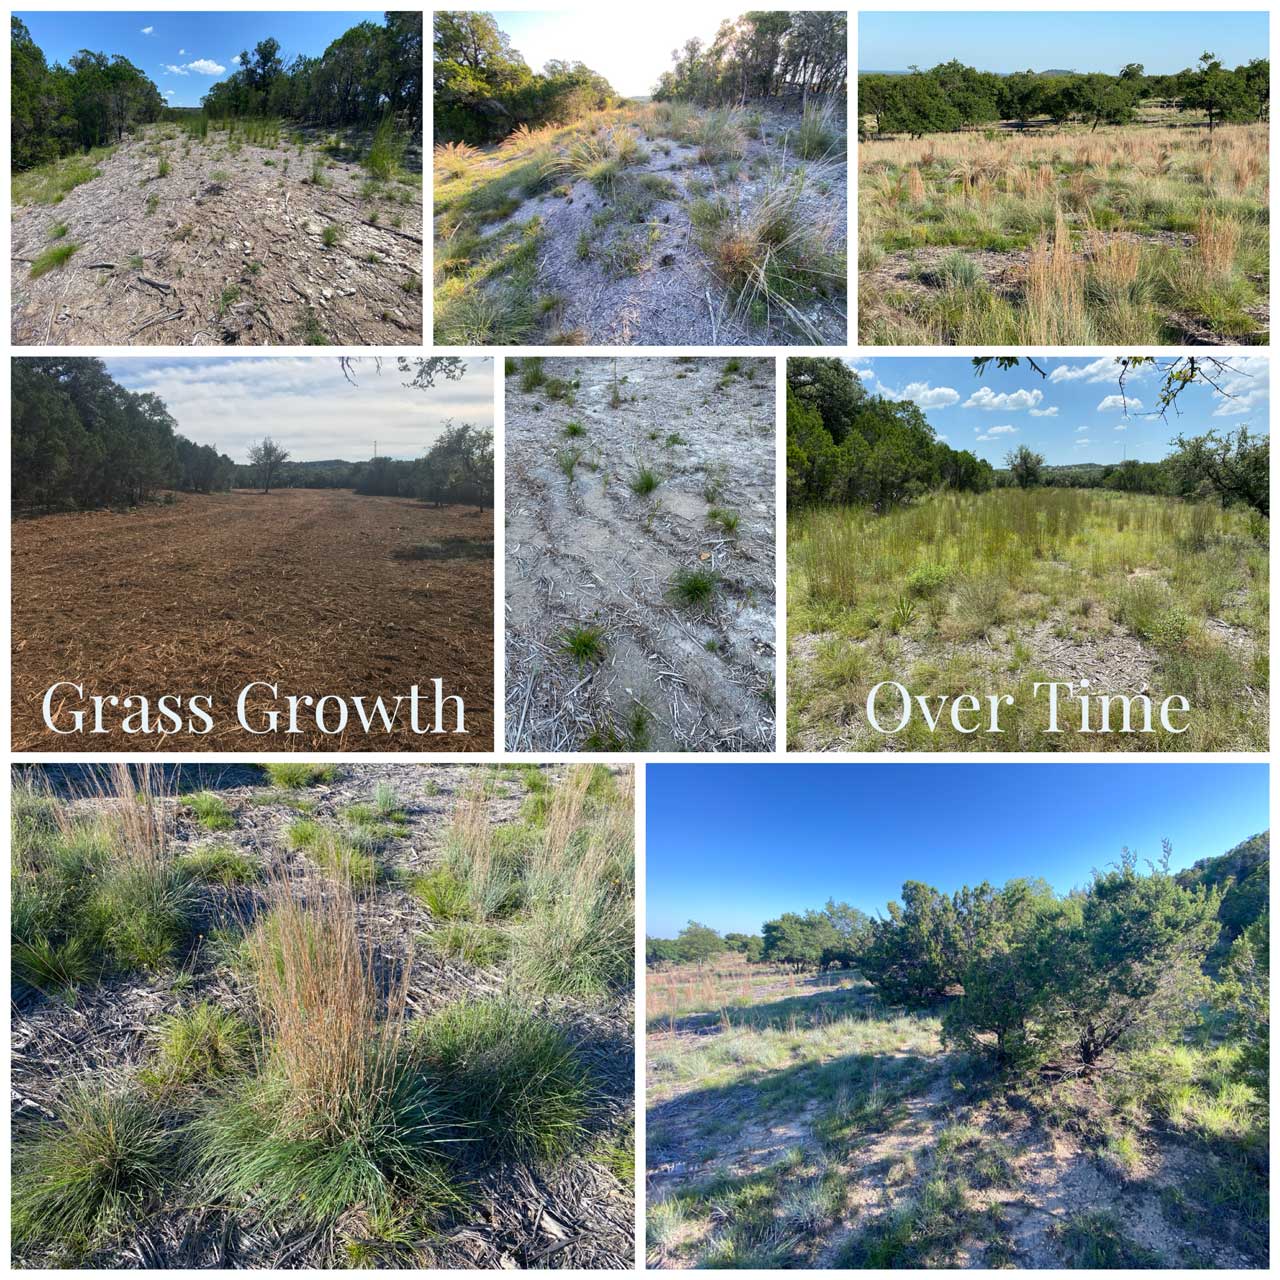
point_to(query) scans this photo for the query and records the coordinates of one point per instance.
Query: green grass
(386, 151)
(339, 852)
(91, 1172)
(584, 644)
(211, 811)
(960, 578)
(50, 183)
(56, 255)
(199, 1045)
(333, 234)
(1095, 1240)
(644, 482)
(514, 1079)
(693, 589)
(222, 864)
(292, 775)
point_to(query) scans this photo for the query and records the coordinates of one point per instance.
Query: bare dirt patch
(228, 247)
(586, 550)
(575, 1214)
(299, 588)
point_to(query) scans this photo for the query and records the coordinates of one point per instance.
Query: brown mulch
(298, 588)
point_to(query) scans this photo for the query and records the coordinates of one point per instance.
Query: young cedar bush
(1035, 978)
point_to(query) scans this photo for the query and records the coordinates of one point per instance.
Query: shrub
(88, 1173)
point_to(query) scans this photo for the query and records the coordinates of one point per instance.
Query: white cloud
(235, 59)
(1050, 412)
(1099, 370)
(928, 397)
(867, 375)
(944, 439)
(985, 398)
(994, 433)
(168, 93)
(306, 403)
(146, 31)
(1246, 389)
(181, 52)
(175, 71)
(1080, 429)
(1084, 440)
(1119, 402)
(1124, 426)
(206, 67)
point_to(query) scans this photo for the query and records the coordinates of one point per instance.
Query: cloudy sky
(1075, 413)
(185, 53)
(306, 404)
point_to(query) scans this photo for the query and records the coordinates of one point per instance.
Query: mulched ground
(299, 588)
(231, 253)
(577, 1215)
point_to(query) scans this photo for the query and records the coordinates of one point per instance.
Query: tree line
(1031, 979)
(483, 89)
(369, 71)
(92, 101)
(762, 54)
(846, 446)
(458, 468)
(953, 96)
(80, 440)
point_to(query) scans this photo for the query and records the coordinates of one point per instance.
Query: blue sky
(733, 845)
(185, 53)
(631, 54)
(1163, 41)
(306, 404)
(1074, 414)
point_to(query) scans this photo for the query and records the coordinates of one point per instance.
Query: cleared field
(991, 593)
(654, 225)
(260, 1021)
(263, 236)
(1137, 234)
(640, 555)
(317, 591)
(797, 1121)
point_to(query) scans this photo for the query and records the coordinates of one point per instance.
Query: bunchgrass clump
(693, 589)
(94, 1169)
(56, 255)
(200, 1045)
(338, 852)
(514, 1079)
(645, 481)
(293, 774)
(584, 644)
(341, 1114)
(386, 151)
(210, 810)
(221, 863)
